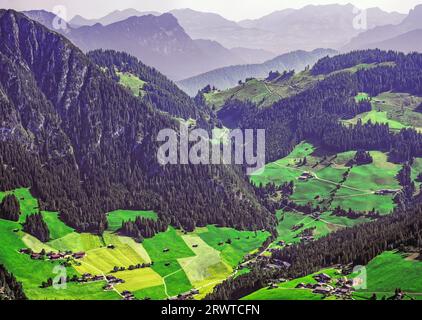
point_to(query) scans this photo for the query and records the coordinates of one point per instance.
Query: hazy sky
(232, 9)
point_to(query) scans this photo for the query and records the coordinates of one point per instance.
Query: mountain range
(228, 77)
(159, 41)
(402, 36)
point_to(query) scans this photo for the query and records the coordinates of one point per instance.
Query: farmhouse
(36, 256)
(305, 176)
(321, 290)
(385, 192)
(322, 278)
(78, 255)
(25, 251)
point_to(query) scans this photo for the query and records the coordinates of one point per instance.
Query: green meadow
(392, 270)
(132, 82)
(116, 218)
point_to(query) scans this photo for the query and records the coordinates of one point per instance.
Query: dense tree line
(9, 208)
(142, 228)
(10, 289)
(357, 246)
(159, 90)
(36, 226)
(361, 158)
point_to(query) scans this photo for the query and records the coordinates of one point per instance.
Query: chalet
(111, 246)
(167, 264)
(322, 277)
(110, 278)
(385, 192)
(194, 291)
(301, 286)
(87, 276)
(272, 286)
(321, 290)
(36, 256)
(78, 255)
(195, 246)
(305, 176)
(55, 256)
(108, 287)
(166, 250)
(97, 278)
(25, 251)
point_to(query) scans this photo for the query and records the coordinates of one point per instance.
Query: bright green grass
(56, 227)
(116, 218)
(153, 293)
(177, 282)
(361, 96)
(32, 273)
(392, 270)
(167, 240)
(233, 253)
(284, 170)
(132, 82)
(77, 242)
(288, 291)
(28, 204)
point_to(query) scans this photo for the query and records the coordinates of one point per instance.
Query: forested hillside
(87, 146)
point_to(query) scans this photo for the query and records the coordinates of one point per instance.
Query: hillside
(99, 158)
(229, 77)
(115, 16)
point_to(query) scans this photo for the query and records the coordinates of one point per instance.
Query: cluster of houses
(127, 295)
(53, 256)
(325, 285)
(87, 277)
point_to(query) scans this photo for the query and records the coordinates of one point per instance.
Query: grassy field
(392, 270)
(288, 291)
(116, 218)
(206, 268)
(77, 242)
(243, 242)
(57, 228)
(262, 92)
(153, 293)
(394, 109)
(139, 279)
(357, 191)
(132, 82)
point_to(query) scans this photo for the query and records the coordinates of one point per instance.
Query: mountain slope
(407, 42)
(158, 41)
(370, 38)
(87, 146)
(228, 77)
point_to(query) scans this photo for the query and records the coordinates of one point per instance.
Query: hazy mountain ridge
(228, 77)
(158, 41)
(380, 35)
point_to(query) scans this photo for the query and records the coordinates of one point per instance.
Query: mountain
(408, 42)
(251, 56)
(372, 37)
(159, 41)
(115, 16)
(86, 145)
(328, 26)
(228, 77)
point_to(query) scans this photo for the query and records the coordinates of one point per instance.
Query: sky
(231, 9)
